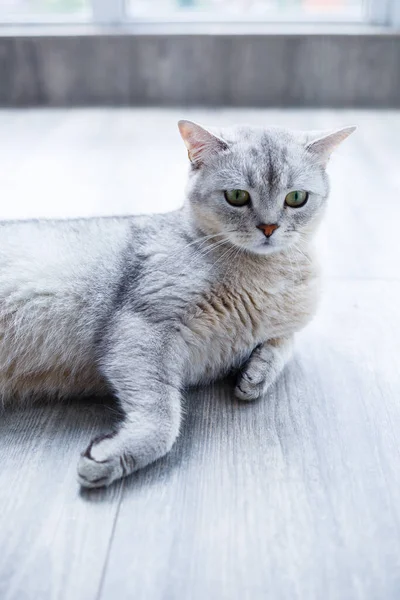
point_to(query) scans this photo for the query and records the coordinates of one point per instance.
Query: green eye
(237, 197)
(296, 199)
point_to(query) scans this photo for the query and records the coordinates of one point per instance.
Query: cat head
(261, 189)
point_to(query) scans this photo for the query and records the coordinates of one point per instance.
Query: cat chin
(269, 247)
(265, 249)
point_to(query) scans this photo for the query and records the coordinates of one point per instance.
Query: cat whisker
(203, 252)
(231, 250)
(297, 247)
(302, 253)
(200, 241)
(293, 272)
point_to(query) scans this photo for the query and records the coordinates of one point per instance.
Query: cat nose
(268, 229)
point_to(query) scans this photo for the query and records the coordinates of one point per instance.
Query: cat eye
(296, 199)
(237, 197)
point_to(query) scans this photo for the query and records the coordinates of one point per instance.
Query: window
(247, 9)
(384, 12)
(26, 10)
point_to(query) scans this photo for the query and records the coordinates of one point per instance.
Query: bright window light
(30, 8)
(263, 9)
(120, 11)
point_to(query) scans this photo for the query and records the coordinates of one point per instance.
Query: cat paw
(263, 368)
(101, 463)
(251, 386)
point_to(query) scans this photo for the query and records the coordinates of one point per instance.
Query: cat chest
(227, 323)
(240, 316)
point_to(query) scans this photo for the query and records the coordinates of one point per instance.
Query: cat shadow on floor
(201, 406)
(280, 437)
(300, 409)
(208, 414)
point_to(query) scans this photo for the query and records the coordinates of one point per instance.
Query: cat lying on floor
(143, 306)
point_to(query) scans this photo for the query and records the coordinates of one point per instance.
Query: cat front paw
(263, 368)
(101, 463)
(251, 385)
(135, 445)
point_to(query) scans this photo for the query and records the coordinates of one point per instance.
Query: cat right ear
(200, 142)
(323, 144)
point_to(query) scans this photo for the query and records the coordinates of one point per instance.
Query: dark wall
(360, 70)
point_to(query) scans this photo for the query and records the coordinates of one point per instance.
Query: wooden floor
(293, 497)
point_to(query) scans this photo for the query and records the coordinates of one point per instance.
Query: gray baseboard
(285, 69)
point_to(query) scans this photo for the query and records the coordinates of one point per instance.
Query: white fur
(52, 278)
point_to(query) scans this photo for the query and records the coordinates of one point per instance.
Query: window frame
(108, 12)
(383, 12)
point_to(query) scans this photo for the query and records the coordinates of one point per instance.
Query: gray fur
(144, 306)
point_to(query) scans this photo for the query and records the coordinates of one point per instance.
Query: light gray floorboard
(297, 496)
(294, 497)
(54, 539)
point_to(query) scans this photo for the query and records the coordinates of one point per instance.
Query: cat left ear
(200, 142)
(322, 146)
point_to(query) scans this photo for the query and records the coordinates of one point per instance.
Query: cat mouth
(267, 243)
(265, 247)
(268, 246)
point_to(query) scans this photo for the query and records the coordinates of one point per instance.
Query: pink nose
(268, 229)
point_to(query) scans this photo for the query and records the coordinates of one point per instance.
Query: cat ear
(200, 142)
(324, 144)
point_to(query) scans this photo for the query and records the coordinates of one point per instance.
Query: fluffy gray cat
(144, 306)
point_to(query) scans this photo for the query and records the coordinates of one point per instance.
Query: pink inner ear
(195, 147)
(193, 136)
(199, 141)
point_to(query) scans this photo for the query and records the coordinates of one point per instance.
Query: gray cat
(143, 306)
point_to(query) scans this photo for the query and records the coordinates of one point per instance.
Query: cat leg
(263, 368)
(143, 364)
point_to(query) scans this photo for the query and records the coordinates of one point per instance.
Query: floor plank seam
(110, 542)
